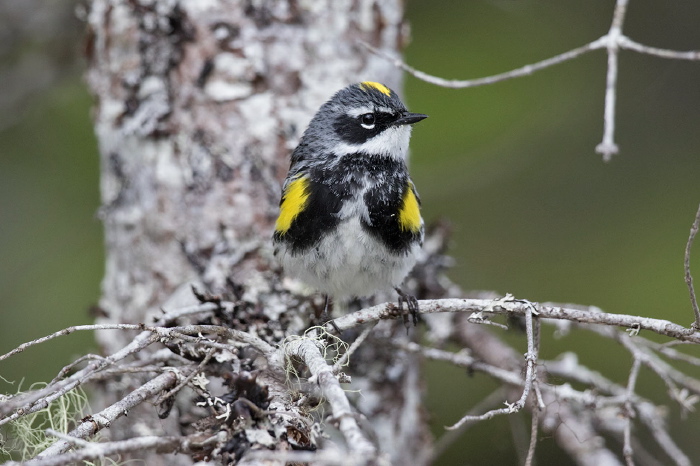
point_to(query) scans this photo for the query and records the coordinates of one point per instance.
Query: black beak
(408, 118)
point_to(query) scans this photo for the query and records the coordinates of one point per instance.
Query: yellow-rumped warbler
(349, 222)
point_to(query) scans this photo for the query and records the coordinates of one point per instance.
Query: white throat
(392, 142)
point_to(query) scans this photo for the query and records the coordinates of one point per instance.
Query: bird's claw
(412, 307)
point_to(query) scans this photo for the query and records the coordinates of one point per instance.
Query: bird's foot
(411, 307)
(326, 315)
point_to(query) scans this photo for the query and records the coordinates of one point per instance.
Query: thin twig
(534, 425)
(466, 83)
(449, 437)
(688, 276)
(185, 332)
(667, 350)
(462, 359)
(31, 402)
(66, 369)
(164, 319)
(667, 373)
(607, 148)
(627, 450)
(187, 379)
(343, 360)
(537, 402)
(530, 374)
(72, 440)
(627, 43)
(104, 418)
(649, 416)
(68, 331)
(328, 456)
(106, 449)
(568, 367)
(570, 422)
(171, 316)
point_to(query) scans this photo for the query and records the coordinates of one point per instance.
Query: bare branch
(668, 374)
(328, 456)
(62, 373)
(343, 360)
(463, 359)
(613, 41)
(216, 337)
(537, 402)
(166, 318)
(608, 148)
(530, 374)
(104, 418)
(307, 351)
(28, 403)
(185, 333)
(627, 450)
(649, 416)
(187, 379)
(507, 305)
(572, 427)
(68, 331)
(627, 43)
(101, 450)
(449, 437)
(31, 402)
(516, 73)
(534, 425)
(568, 367)
(688, 276)
(671, 353)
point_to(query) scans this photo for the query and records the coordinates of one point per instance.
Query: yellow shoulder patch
(409, 213)
(378, 86)
(294, 200)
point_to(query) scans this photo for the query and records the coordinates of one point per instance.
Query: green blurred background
(535, 211)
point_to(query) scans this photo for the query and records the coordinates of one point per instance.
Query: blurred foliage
(535, 210)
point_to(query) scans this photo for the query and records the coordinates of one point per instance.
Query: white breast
(349, 262)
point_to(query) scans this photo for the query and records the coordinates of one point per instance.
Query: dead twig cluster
(195, 355)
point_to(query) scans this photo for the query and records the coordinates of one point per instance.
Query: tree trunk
(198, 105)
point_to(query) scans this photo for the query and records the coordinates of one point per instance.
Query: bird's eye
(367, 120)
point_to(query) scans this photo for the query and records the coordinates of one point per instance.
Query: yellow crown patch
(366, 85)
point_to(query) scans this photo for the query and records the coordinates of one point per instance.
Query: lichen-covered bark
(198, 105)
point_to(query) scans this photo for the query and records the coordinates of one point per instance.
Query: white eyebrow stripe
(356, 112)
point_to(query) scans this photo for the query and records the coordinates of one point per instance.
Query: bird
(349, 223)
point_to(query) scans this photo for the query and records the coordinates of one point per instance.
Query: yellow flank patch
(294, 200)
(378, 86)
(409, 213)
